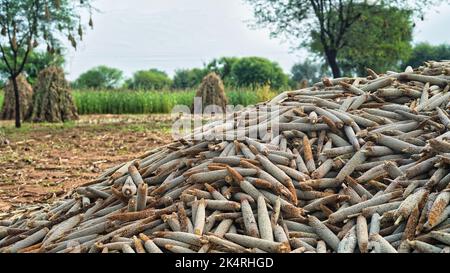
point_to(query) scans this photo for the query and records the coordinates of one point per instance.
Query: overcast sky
(170, 34)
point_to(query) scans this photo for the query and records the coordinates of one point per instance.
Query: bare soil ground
(44, 161)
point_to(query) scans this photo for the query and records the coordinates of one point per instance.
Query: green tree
(223, 67)
(152, 79)
(387, 31)
(41, 60)
(27, 23)
(100, 77)
(37, 61)
(426, 52)
(256, 71)
(308, 70)
(330, 21)
(188, 78)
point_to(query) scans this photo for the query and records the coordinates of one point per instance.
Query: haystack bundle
(9, 102)
(52, 99)
(212, 92)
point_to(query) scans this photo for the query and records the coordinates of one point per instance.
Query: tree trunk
(17, 102)
(332, 62)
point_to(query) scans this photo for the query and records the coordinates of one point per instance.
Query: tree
(223, 67)
(37, 61)
(256, 71)
(188, 78)
(309, 71)
(329, 20)
(100, 77)
(387, 30)
(152, 79)
(27, 23)
(426, 52)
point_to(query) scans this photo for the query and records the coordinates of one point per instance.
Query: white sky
(170, 34)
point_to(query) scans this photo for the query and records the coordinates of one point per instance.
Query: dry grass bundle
(52, 99)
(3, 140)
(212, 91)
(9, 103)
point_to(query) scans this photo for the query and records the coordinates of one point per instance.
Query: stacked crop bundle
(8, 109)
(360, 165)
(52, 98)
(3, 140)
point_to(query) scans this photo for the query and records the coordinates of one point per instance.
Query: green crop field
(151, 102)
(129, 102)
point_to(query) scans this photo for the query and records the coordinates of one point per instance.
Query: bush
(152, 79)
(256, 71)
(264, 93)
(101, 77)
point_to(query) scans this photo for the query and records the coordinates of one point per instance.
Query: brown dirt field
(44, 161)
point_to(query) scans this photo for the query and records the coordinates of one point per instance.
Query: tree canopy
(100, 77)
(307, 70)
(379, 40)
(257, 71)
(152, 79)
(329, 21)
(222, 67)
(37, 61)
(188, 78)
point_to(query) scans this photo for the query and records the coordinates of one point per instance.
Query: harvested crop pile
(25, 95)
(212, 92)
(361, 165)
(52, 98)
(3, 140)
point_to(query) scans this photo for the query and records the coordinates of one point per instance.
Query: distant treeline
(245, 72)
